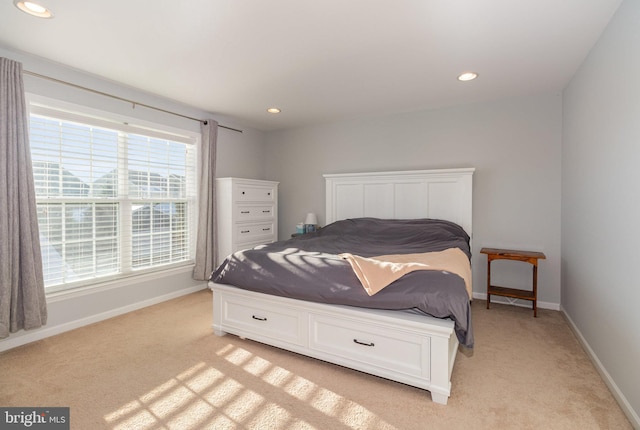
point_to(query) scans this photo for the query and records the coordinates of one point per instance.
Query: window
(112, 199)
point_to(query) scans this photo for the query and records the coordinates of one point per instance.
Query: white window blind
(112, 199)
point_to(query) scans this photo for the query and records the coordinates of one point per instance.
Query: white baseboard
(42, 333)
(517, 302)
(617, 394)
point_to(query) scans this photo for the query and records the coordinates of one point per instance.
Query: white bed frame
(409, 348)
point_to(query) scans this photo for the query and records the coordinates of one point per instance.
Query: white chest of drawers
(247, 214)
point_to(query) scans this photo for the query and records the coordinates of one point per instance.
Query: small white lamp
(310, 223)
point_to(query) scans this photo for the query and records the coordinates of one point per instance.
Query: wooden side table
(531, 257)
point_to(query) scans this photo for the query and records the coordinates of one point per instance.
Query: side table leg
(488, 281)
(535, 289)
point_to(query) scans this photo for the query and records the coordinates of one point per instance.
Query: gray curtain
(205, 246)
(22, 299)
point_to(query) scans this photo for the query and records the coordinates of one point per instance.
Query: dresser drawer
(254, 193)
(262, 319)
(255, 232)
(369, 344)
(253, 212)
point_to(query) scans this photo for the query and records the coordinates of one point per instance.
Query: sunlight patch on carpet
(237, 388)
(326, 401)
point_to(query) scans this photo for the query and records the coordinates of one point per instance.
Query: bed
(409, 331)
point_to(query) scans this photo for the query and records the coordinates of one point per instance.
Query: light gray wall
(239, 154)
(513, 144)
(601, 201)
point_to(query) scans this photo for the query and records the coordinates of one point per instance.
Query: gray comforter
(308, 268)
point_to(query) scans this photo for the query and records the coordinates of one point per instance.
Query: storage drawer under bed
(263, 320)
(371, 344)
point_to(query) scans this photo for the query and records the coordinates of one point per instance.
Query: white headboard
(440, 194)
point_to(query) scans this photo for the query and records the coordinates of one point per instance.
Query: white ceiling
(318, 61)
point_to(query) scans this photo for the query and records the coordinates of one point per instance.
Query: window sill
(56, 296)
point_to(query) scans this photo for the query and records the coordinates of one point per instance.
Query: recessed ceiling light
(467, 76)
(34, 9)
(273, 110)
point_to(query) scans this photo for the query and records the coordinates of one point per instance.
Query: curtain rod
(134, 103)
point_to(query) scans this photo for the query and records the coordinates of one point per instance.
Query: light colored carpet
(162, 368)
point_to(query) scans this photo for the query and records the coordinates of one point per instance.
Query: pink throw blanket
(375, 273)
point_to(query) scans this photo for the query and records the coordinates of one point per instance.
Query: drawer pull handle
(266, 229)
(245, 231)
(258, 318)
(363, 343)
(266, 212)
(245, 212)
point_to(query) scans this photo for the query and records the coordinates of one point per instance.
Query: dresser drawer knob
(363, 343)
